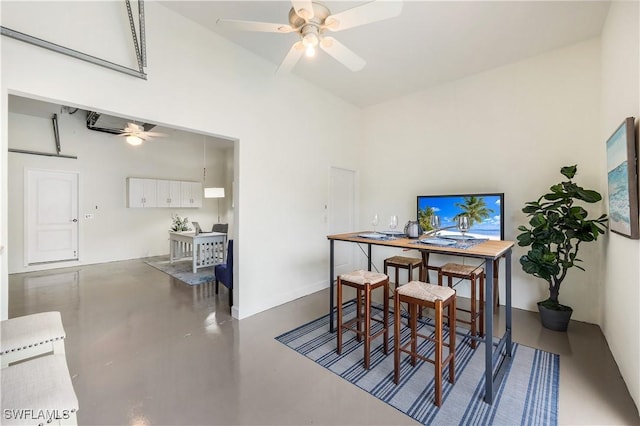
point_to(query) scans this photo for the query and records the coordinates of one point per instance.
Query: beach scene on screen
(484, 212)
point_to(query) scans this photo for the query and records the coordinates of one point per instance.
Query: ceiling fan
(312, 20)
(135, 134)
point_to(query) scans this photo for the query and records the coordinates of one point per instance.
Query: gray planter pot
(554, 320)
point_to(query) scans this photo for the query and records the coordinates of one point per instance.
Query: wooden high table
(490, 251)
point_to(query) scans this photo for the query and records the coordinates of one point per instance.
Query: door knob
(74, 220)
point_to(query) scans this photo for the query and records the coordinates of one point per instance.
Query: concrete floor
(144, 348)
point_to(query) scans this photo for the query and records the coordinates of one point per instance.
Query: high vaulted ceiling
(430, 43)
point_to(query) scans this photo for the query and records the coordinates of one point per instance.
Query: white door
(342, 215)
(51, 216)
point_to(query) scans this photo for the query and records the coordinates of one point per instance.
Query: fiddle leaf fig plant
(557, 228)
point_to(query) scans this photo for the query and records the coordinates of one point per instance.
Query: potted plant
(557, 227)
(179, 224)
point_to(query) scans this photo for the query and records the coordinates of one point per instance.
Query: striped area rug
(528, 394)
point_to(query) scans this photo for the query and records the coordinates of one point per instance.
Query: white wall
(507, 130)
(621, 99)
(289, 133)
(104, 163)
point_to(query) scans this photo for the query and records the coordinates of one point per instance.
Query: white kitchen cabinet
(169, 193)
(141, 192)
(191, 194)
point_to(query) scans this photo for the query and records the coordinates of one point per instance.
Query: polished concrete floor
(143, 348)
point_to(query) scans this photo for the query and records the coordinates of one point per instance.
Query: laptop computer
(196, 226)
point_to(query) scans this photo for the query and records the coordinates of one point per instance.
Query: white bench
(38, 392)
(31, 335)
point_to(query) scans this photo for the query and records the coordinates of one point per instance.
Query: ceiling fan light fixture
(310, 51)
(133, 140)
(310, 39)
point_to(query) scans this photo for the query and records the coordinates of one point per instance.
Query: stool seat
(362, 277)
(425, 291)
(403, 261)
(458, 269)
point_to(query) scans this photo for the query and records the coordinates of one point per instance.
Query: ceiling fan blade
(342, 54)
(303, 8)
(264, 27)
(365, 14)
(292, 58)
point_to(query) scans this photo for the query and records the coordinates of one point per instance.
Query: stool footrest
(404, 349)
(431, 339)
(348, 325)
(467, 311)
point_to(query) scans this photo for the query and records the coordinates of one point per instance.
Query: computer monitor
(485, 210)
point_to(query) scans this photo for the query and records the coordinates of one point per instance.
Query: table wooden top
(487, 249)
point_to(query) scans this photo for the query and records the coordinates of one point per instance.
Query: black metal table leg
(331, 329)
(508, 307)
(488, 331)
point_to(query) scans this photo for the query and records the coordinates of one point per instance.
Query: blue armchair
(224, 273)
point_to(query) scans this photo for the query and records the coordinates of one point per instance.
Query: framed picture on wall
(622, 179)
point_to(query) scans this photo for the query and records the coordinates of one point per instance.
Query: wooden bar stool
(420, 295)
(475, 275)
(364, 282)
(402, 262)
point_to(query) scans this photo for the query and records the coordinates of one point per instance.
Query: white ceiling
(431, 42)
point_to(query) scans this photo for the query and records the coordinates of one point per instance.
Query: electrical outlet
(88, 216)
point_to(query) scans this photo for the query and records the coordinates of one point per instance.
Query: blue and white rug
(528, 394)
(182, 270)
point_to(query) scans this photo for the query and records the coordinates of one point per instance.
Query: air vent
(111, 124)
